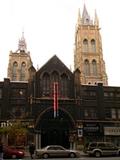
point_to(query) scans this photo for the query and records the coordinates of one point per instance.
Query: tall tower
(19, 62)
(88, 56)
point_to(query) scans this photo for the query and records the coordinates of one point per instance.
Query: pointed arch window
(46, 84)
(54, 78)
(64, 85)
(14, 71)
(94, 67)
(93, 46)
(22, 74)
(86, 67)
(85, 45)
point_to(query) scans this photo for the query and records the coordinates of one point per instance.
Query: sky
(49, 29)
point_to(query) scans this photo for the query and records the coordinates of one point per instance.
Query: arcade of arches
(50, 130)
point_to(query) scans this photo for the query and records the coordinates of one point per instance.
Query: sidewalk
(27, 155)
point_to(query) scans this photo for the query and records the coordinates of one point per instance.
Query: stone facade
(88, 56)
(19, 63)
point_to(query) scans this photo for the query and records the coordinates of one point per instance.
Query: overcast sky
(49, 29)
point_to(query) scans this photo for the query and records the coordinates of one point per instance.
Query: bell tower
(19, 62)
(88, 56)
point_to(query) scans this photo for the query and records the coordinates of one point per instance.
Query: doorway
(55, 131)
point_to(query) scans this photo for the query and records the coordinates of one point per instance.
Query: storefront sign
(115, 131)
(91, 129)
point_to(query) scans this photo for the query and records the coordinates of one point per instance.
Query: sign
(80, 132)
(91, 129)
(114, 131)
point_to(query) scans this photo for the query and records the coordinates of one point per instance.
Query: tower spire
(22, 46)
(79, 18)
(85, 17)
(96, 20)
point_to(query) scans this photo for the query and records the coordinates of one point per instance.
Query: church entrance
(55, 131)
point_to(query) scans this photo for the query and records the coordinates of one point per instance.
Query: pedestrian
(31, 150)
(1, 150)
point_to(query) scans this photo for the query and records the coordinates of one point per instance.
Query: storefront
(92, 132)
(112, 134)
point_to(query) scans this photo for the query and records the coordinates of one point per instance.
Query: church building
(59, 106)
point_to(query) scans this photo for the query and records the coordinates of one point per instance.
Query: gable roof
(54, 63)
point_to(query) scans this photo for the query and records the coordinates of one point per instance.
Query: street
(82, 158)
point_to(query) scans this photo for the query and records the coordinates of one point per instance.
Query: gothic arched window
(86, 67)
(14, 71)
(93, 46)
(54, 78)
(46, 84)
(22, 74)
(94, 67)
(64, 85)
(85, 45)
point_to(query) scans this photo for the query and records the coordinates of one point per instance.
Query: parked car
(98, 149)
(56, 151)
(10, 152)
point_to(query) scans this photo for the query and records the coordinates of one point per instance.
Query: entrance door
(55, 137)
(55, 131)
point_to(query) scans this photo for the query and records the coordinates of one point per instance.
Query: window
(14, 71)
(54, 78)
(118, 111)
(101, 145)
(106, 94)
(113, 113)
(64, 85)
(93, 46)
(23, 65)
(107, 113)
(17, 111)
(94, 67)
(46, 84)
(118, 94)
(86, 68)
(85, 45)
(90, 113)
(93, 145)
